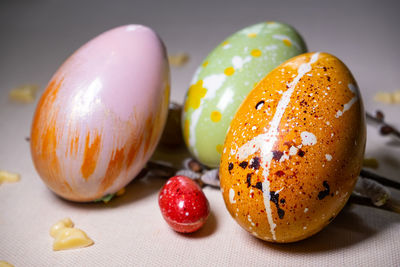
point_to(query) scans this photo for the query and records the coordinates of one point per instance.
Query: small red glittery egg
(183, 204)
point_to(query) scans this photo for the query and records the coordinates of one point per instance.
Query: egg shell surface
(183, 204)
(102, 114)
(294, 149)
(225, 78)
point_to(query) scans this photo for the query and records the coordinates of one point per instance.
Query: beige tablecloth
(36, 36)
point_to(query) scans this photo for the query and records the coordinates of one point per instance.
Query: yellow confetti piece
(388, 98)
(205, 63)
(5, 264)
(25, 93)
(178, 60)
(252, 35)
(9, 177)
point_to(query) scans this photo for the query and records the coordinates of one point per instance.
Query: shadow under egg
(208, 228)
(349, 228)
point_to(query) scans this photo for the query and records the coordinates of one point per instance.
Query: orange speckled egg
(294, 149)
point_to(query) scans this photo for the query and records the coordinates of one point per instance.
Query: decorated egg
(101, 116)
(225, 78)
(294, 149)
(183, 204)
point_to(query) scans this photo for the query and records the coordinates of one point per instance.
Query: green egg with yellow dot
(224, 79)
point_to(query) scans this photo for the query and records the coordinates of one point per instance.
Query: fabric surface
(130, 231)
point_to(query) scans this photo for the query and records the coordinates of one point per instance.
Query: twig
(380, 179)
(192, 169)
(385, 129)
(389, 206)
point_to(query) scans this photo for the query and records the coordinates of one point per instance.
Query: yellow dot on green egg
(229, 71)
(252, 35)
(195, 94)
(205, 63)
(219, 148)
(270, 22)
(255, 84)
(256, 52)
(216, 116)
(287, 42)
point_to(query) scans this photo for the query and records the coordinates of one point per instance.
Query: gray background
(37, 36)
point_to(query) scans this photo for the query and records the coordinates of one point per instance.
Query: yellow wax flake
(195, 94)
(287, 42)
(178, 60)
(270, 22)
(219, 148)
(9, 177)
(371, 163)
(205, 63)
(5, 264)
(252, 35)
(25, 93)
(68, 237)
(216, 116)
(256, 52)
(388, 98)
(120, 192)
(186, 131)
(396, 96)
(229, 71)
(64, 223)
(225, 43)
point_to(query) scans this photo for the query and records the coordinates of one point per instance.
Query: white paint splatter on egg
(348, 105)
(231, 196)
(238, 62)
(265, 142)
(212, 83)
(293, 150)
(308, 139)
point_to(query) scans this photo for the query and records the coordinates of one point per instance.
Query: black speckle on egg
(258, 186)
(276, 155)
(230, 167)
(255, 163)
(322, 194)
(274, 198)
(243, 164)
(260, 104)
(248, 179)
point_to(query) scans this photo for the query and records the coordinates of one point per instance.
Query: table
(37, 36)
